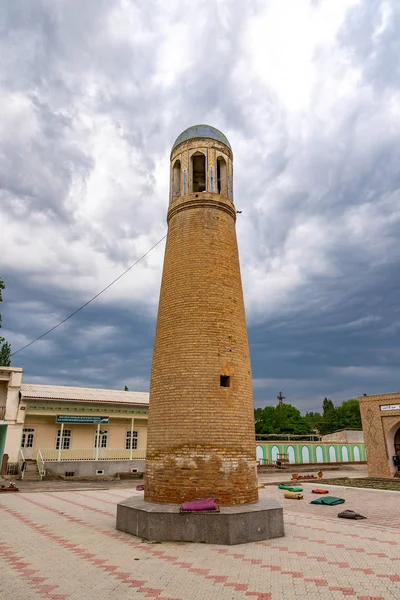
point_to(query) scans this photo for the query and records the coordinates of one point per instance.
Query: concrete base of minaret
(238, 524)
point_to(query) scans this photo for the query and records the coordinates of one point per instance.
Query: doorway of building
(397, 447)
(397, 442)
(101, 440)
(27, 441)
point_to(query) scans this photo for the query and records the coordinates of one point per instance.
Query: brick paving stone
(64, 546)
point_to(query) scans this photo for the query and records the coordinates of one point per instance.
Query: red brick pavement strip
(33, 577)
(359, 550)
(379, 554)
(340, 564)
(352, 534)
(205, 572)
(333, 518)
(347, 591)
(114, 495)
(295, 523)
(368, 502)
(159, 554)
(100, 563)
(97, 498)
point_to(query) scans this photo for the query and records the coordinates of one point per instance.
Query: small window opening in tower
(176, 179)
(222, 178)
(225, 381)
(199, 172)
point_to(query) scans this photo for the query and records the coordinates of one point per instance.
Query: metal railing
(51, 455)
(2, 412)
(12, 468)
(21, 461)
(40, 464)
(265, 462)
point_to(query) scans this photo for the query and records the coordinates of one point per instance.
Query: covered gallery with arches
(308, 453)
(380, 416)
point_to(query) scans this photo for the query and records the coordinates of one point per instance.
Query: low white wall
(88, 468)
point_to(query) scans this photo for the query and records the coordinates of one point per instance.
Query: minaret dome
(201, 161)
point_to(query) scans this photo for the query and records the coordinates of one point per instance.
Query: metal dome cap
(201, 131)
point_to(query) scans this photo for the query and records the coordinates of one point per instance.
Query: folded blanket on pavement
(204, 504)
(328, 500)
(350, 514)
(290, 488)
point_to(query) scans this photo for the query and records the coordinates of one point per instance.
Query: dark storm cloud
(93, 96)
(371, 34)
(102, 346)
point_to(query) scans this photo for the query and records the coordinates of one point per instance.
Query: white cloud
(91, 107)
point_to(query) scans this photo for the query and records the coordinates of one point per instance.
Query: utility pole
(281, 398)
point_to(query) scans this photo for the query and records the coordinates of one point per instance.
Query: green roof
(201, 131)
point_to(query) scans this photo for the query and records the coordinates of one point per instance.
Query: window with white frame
(131, 440)
(66, 439)
(27, 437)
(100, 440)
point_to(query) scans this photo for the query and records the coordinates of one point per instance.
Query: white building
(70, 429)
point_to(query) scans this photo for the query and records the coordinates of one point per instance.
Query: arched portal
(345, 454)
(291, 454)
(319, 454)
(260, 455)
(198, 161)
(176, 179)
(356, 453)
(274, 453)
(396, 455)
(305, 454)
(222, 176)
(393, 448)
(332, 454)
(397, 442)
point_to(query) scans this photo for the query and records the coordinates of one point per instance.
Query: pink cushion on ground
(204, 504)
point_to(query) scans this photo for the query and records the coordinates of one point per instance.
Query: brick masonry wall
(376, 426)
(201, 436)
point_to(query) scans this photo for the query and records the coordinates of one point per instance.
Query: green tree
(348, 414)
(327, 406)
(264, 419)
(283, 418)
(314, 419)
(286, 418)
(126, 389)
(5, 347)
(345, 416)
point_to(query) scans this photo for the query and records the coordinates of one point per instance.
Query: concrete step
(31, 472)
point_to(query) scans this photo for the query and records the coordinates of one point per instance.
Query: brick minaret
(201, 423)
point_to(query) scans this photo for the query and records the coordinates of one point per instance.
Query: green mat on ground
(289, 488)
(329, 500)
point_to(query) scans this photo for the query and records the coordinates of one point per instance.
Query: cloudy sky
(92, 97)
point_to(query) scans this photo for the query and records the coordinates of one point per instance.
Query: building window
(225, 381)
(176, 179)
(27, 438)
(66, 439)
(222, 177)
(198, 172)
(131, 438)
(100, 441)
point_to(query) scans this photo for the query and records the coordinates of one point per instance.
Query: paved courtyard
(64, 546)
